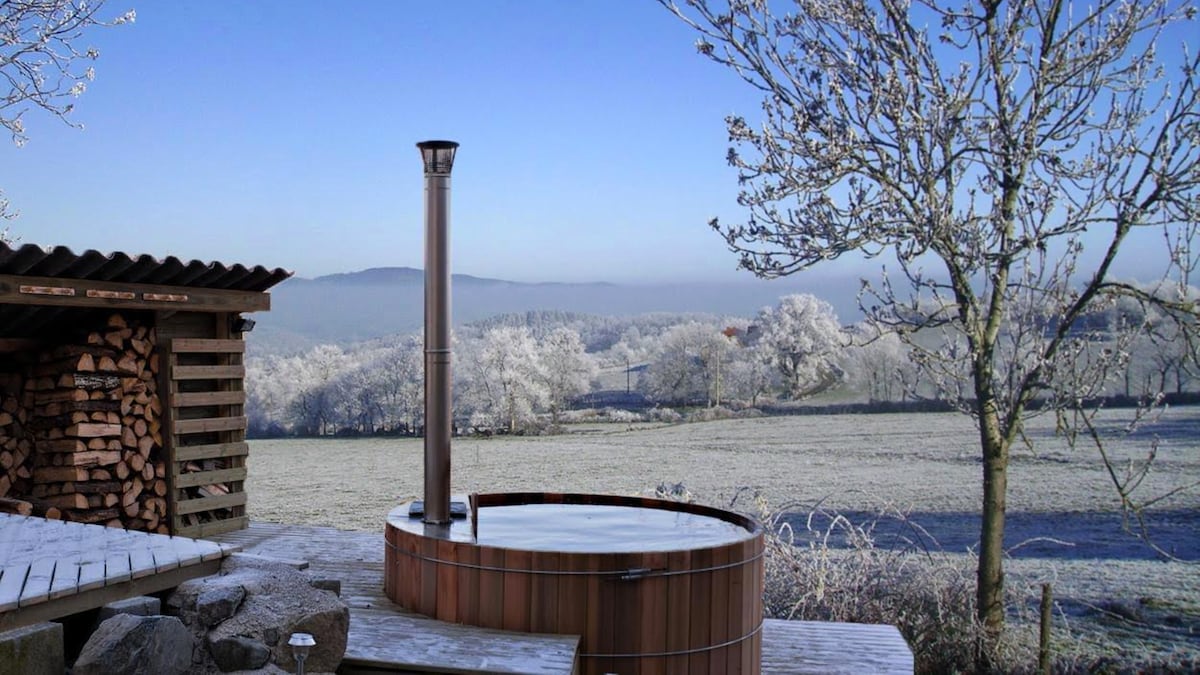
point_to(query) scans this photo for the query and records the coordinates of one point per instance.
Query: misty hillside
(356, 306)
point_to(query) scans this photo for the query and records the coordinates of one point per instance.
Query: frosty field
(1061, 503)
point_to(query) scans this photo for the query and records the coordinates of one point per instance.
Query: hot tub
(650, 586)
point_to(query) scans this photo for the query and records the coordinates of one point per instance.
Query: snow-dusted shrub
(710, 414)
(668, 415)
(579, 416)
(823, 567)
(622, 416)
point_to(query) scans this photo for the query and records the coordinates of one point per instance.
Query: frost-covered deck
(385, 638)
(51, 568)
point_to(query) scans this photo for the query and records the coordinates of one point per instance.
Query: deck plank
(68, 556)
(12, 580)
(386, 638)
(116, 568)
(37, 581)
(52, 568)
(91, 572)
(824, 648)
(141, 562)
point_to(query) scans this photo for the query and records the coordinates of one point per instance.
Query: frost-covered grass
(922, 464)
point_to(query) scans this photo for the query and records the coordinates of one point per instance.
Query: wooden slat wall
(205, 400)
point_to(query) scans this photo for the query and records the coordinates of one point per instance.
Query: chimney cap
(438, 156)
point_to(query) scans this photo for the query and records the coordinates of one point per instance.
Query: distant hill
(356, 306)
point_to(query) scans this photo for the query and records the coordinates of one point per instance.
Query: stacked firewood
(97, 431)
(16, 448)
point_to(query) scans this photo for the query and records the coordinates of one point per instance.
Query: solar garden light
(301, 644)
(438, 157)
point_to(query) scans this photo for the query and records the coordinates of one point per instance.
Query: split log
(68, 501)
(93, 458)
(131, 489)
(18, 507)
(60, 474)
(94, 383)
(92, 430)
(96, 515)
(98, 487)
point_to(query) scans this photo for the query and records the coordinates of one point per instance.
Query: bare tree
(43, 63)
(1002, 153)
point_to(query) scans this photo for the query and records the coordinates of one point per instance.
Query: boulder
(131, 645)
(238, 653)
(139, 606)
(218, 602)
(33, 650)
(242, 618)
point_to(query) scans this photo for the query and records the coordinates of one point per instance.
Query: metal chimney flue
(438, 157)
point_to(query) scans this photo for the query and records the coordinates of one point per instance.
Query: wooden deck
(385, 638)
(50, 568)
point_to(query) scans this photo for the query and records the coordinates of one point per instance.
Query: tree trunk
(990, 574)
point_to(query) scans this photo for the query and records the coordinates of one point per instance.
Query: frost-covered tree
(503, 378)
(268, 396)
(399, 377)
(751, 374)
(566, 369)
(878, 365)
(802, 337)
(687, 366)
(314, 407)
(44, 63)
(1002, 153)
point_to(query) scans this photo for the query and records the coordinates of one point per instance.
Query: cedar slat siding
(208, 373)
(212, 451)
(211, 503)
(208, 424)
(697, 611)
(207, 398)
(205, 403)
(195, 478)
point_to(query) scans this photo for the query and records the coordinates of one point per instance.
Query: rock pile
(242, 618)
(238, 620)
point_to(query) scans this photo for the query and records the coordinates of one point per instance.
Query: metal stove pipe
(438, 157)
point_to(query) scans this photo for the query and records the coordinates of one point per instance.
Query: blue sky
(282, 133)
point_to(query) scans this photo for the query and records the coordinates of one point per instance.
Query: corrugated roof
(31, 260)
(35, 261)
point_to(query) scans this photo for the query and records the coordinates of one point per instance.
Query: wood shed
(121, 388)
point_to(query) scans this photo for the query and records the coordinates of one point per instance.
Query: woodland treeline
(530, 372)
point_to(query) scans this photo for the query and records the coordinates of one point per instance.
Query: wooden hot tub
(651, 586)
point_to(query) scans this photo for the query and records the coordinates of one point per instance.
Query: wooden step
(383, 641)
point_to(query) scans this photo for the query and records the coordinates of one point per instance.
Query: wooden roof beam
(53, 291)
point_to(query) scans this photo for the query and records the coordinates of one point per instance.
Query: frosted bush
(622, 416)
(667, 415)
